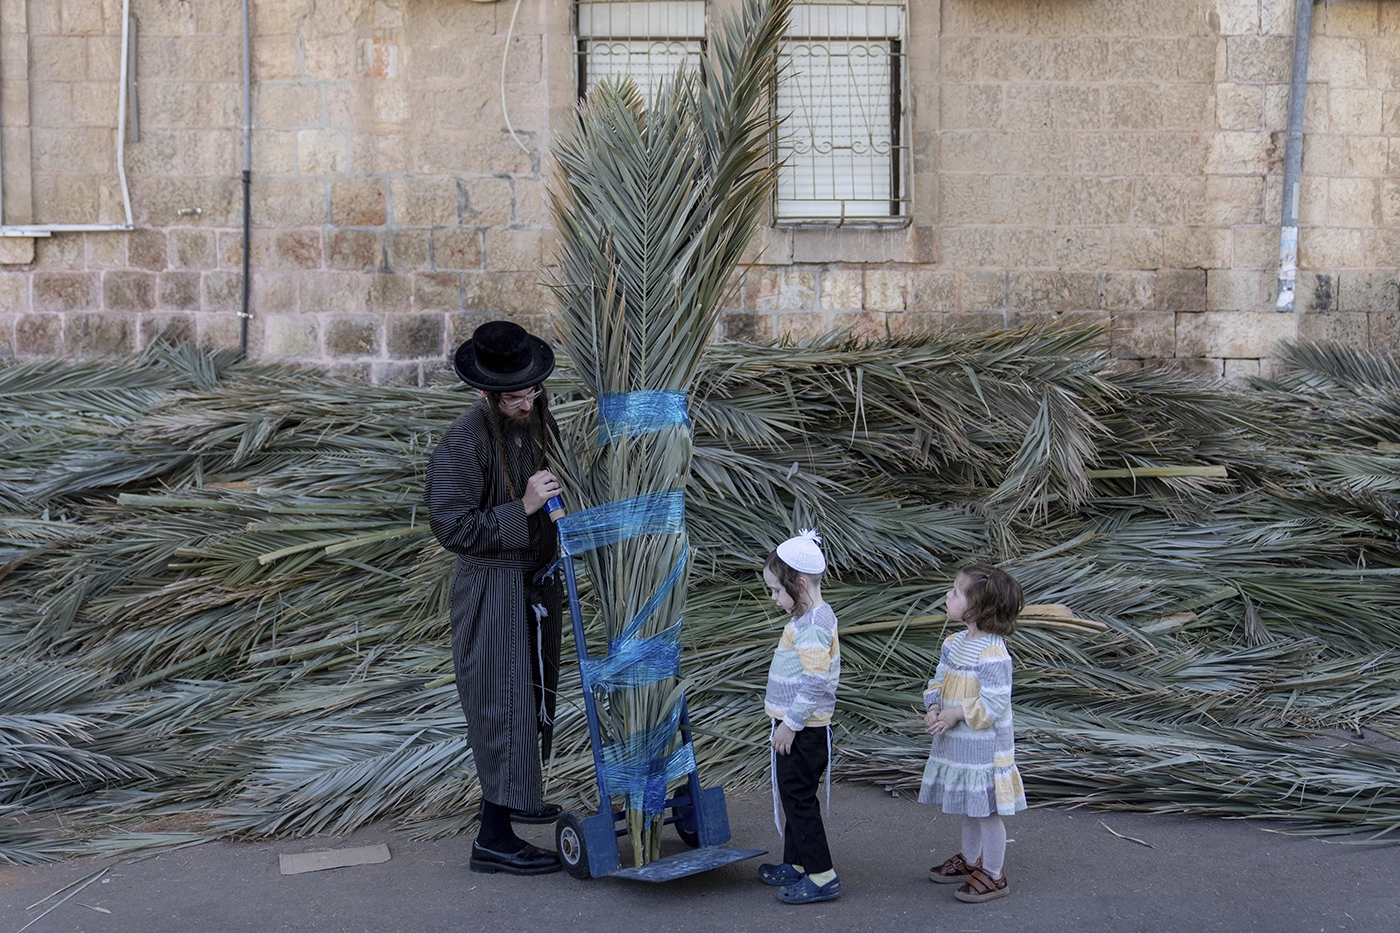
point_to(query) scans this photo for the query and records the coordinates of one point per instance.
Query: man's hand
(782, 738)
(538, 489)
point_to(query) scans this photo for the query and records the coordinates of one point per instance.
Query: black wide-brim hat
(503, 357)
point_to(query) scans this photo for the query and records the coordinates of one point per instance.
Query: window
(645, 39)
(844, 136)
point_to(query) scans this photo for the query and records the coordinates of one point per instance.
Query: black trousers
(799, 775)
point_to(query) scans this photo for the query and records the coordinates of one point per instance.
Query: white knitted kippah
(802, 552)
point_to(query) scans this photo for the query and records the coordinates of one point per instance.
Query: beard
(514, 430)
(516, 426)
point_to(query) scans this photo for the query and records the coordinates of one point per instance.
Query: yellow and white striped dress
(972, 767)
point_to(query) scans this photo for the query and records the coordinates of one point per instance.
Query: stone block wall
(392, 211)
(1122, 163)
(1117, 161)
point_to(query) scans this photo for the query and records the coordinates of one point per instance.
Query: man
(488, 481)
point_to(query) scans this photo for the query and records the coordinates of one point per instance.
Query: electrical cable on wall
(505, 56)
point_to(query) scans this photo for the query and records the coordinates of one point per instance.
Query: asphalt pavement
(1069, 873)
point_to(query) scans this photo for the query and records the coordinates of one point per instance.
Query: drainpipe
(1293, 157)
(244, 314)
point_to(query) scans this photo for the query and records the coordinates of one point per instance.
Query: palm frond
(234, 614)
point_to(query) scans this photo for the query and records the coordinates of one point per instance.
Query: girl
(972, 766)
(801, 697)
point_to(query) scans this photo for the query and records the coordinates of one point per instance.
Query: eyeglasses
(521, 400)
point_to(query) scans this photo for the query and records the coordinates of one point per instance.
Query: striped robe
(972, 767)
(506, 662)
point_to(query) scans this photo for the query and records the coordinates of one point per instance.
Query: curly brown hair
(994, 598)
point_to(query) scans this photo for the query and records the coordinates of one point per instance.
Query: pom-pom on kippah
(803, 553)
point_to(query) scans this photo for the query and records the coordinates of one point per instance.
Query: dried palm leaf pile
(223, 611)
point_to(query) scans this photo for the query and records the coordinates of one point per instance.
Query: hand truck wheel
(686, 826)
(573, 851)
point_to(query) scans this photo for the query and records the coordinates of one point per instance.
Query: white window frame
(644, 39)
(125, 95)
(845, 155)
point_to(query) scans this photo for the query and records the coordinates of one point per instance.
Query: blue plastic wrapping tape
(639, 766)
(656, 513)
(644, 782)
(633, 414)
(633, 661)
(651, 605)
(636, 662)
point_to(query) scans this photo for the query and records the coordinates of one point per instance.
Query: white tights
(984, 837)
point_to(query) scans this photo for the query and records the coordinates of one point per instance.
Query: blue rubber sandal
(780, 875)
(808, 891)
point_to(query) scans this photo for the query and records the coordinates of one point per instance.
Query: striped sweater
(805, 671)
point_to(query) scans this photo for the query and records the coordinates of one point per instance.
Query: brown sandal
(981, 886)
(952, 871)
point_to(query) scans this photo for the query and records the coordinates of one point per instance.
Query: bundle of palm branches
(654, 204)
(223, 611)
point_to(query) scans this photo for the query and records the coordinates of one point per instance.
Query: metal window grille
(843, 141)
(644, 39)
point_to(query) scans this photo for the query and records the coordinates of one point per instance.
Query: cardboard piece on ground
(298, 862)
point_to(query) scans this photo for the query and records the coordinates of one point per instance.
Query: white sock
(993, 844)
(971, 840)
(823, 877)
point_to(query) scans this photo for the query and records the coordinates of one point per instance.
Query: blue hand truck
(587, 845)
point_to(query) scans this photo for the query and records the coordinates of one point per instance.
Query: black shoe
(548, 813)
(530, 860)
